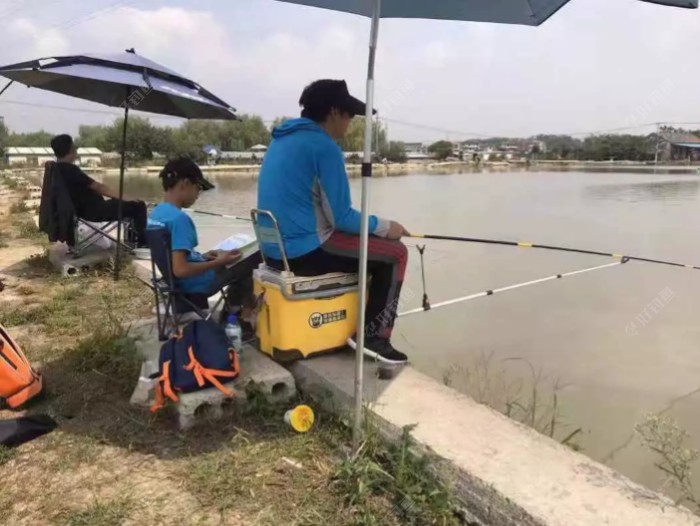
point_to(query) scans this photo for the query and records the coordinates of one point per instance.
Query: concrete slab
(270, 378)
(70, 266)
(506, 474)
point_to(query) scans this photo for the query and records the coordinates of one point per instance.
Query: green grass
(110, 352)
(399, 472)
(308, 479)
(27, 229)
(59, 313)
(668, 441)
(6, 454)
(41, 264)
(18, 208)
(11, 183)
(22, 316)
(100, 513)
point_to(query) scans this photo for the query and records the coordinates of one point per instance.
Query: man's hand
(226, 258)
(397, 231)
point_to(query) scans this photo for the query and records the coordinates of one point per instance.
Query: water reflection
(642, 192)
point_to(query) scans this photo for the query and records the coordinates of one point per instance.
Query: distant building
(675, 146)
(416, 151)
(240, 156)
(28, 155)
(38, 155)
(89, 156)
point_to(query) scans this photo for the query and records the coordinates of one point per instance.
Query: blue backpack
(200, 356)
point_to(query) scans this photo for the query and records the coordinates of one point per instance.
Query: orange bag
(18, 381)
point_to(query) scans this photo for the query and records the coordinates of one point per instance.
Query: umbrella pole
(120, 212)
(364, 230)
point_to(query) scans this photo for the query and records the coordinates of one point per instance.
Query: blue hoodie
(303, 182)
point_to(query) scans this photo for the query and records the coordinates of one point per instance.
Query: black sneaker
(381, 350)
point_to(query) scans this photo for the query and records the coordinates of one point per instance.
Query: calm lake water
(615, 364)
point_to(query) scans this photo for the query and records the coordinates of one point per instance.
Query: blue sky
(598, 64)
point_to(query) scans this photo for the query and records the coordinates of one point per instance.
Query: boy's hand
(228, 258)
(212, 254)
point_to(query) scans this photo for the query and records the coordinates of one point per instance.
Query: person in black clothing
(88, 195)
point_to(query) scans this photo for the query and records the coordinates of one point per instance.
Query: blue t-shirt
(184, 237)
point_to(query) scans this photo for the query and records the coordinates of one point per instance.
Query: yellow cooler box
(301, 316)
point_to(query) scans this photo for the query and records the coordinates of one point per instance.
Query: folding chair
(174, 301)
(56, 201)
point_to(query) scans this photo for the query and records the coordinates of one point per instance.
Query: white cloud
(38, 41)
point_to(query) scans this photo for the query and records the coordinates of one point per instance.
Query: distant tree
(95, 137)
(4, 135)
(394, 152)
(354, 141)
(242, 134)
(278, 121)
(39, 138)
(441, 149)
(139, 137)
(559, 146)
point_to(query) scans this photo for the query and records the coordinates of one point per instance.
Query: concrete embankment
(505, 473)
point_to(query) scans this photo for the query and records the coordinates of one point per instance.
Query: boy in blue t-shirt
(197, 273)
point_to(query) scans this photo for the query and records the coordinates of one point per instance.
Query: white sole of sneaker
(376, 356)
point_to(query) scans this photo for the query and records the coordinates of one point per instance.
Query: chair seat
(329, 281)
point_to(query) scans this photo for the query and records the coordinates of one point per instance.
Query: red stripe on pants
(386, 264)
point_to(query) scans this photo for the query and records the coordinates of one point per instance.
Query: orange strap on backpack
(163, 389)
(201, 373)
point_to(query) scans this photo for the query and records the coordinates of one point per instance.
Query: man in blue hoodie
(303, 182)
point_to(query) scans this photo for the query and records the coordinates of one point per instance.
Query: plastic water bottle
(234, 333)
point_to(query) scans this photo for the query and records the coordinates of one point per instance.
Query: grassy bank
(111, 464)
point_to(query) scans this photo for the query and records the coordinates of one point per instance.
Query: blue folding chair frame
(165, 289)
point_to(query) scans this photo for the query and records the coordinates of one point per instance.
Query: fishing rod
(202, 212)
(525, 244)
(426, 306)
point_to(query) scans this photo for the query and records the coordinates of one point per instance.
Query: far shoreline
(398, 169)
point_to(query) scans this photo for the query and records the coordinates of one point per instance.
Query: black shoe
(381, 350)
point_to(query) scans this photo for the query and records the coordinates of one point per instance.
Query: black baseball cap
(185, 168)
(332, 93)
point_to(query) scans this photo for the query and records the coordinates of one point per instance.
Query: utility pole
(658, 140)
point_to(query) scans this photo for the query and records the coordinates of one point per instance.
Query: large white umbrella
(123, 80)
(521, 12)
